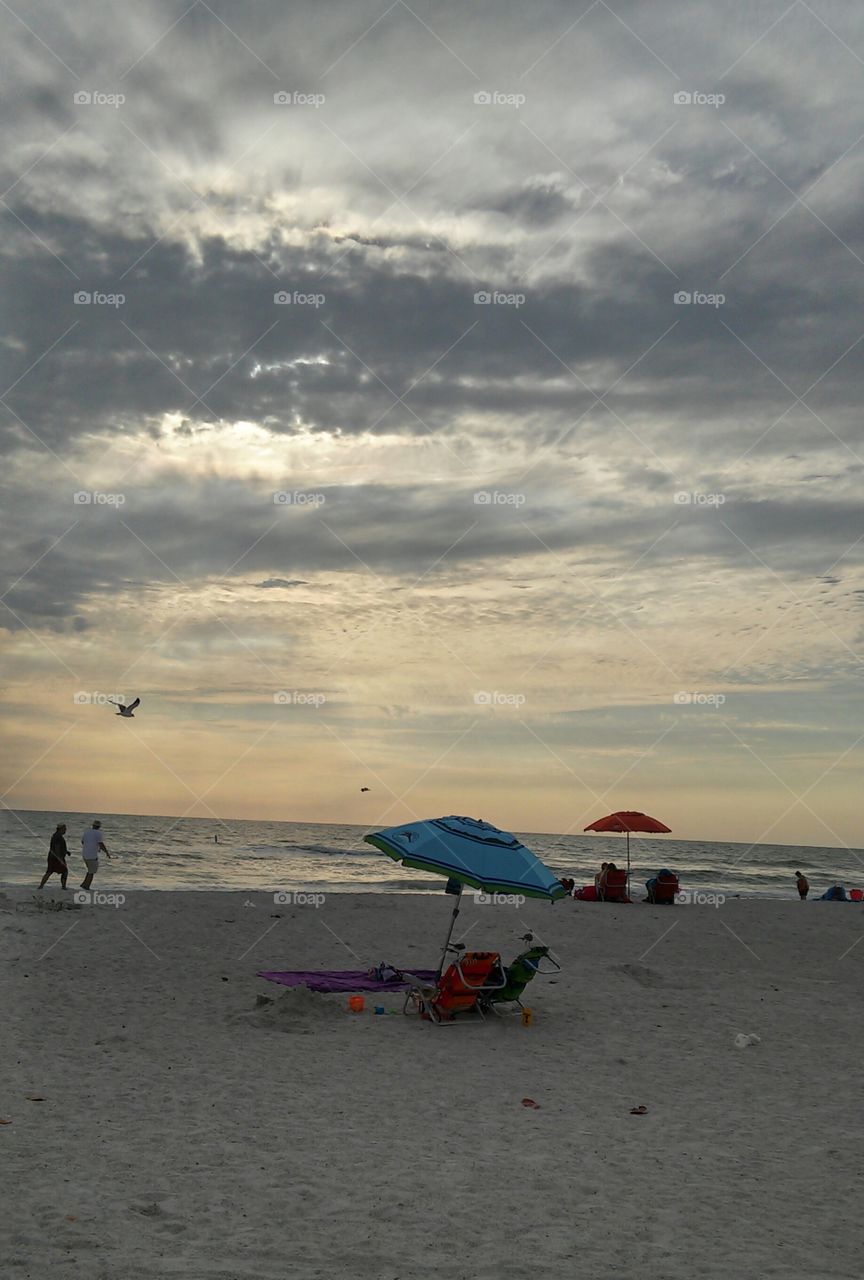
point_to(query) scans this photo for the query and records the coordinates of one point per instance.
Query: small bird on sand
(126, 712)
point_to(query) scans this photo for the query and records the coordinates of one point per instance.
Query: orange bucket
(356, 1003)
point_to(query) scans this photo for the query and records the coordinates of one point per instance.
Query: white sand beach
(185, 1131)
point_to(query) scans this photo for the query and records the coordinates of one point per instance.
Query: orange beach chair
(458, 988)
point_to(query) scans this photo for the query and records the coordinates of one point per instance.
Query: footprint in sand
(640, 973)
(152, 1210)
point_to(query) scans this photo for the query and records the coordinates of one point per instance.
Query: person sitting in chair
(663, 887)
(612, 886)
(837, 893)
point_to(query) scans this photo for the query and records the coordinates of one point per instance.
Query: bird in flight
(364, 788)
(126, 712)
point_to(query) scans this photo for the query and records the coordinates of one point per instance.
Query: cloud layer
(437, 349)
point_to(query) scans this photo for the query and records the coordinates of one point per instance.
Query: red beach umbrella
(627, 820)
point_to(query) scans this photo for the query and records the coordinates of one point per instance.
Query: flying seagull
(125, 711)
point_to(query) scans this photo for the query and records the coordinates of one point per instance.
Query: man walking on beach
(803, 885)
(57, 855)
(92, 845)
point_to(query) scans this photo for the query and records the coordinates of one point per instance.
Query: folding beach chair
(664, 889)
(615, 887)
(517, 975)
(458, 988)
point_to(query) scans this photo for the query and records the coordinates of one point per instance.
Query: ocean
(181, 853)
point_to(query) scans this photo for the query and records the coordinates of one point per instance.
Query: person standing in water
(57, 855)
(92, 845)
(803, 885)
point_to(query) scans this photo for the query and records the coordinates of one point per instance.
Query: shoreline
(268, 858)
(86, 814)
(704, 897)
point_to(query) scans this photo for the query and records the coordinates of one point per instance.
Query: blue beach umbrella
(469, 852)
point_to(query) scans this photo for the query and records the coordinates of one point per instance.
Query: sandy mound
(296, 1010)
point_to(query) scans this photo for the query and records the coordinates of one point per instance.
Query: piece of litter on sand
(34, 1097)
(529, 1102)
(5, 1121)
(638, 1111)
(743, 1041)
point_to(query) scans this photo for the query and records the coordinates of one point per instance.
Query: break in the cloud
(490, 372)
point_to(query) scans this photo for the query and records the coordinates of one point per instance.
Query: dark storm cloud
(535, 203)
(209, 327)
(185, 533)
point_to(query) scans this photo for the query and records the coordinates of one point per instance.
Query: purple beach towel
(346, 979)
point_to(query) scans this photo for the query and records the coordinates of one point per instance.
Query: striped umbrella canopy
(470, 852)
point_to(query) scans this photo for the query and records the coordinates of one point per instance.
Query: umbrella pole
(628, 864)
(450, 932)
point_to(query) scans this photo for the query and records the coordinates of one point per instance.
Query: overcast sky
(456, 399)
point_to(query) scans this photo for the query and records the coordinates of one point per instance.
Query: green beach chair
(517, 975)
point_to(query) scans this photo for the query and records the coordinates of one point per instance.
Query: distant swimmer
(803, 885)
(126, 712)
(364, 788)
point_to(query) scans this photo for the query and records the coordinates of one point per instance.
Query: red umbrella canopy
(628, 820)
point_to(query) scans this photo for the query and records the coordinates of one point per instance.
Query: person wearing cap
(92, 845)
